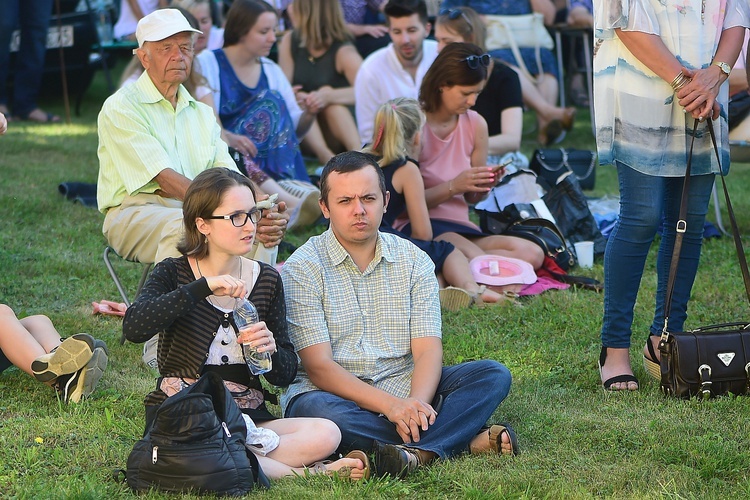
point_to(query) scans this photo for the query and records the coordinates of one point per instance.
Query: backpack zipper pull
(226, 429)
(153, 454)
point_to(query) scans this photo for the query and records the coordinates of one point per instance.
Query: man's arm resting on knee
(331, 377)
(172, 184)
(428, 367)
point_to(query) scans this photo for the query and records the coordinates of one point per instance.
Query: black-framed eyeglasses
(454, 14)
(475, 61)
(240, 218)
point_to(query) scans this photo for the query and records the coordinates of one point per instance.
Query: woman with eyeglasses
(189, 301)
(453, 161)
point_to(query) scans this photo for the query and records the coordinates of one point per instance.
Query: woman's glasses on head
(240, 219)
(454, 14)
(475, 61)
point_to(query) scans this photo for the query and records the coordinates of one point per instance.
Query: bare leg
(547, 86)
(303, 442)
(506, 246)
(315, 142)
(457, 272)
(275, 469)
(510, 246)
(25, 340)
(337, 121)
(543, 100)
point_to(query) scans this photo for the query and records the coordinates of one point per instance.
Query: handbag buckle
(681, 226)
(705, 383)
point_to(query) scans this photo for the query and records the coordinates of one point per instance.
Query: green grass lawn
(577, 441)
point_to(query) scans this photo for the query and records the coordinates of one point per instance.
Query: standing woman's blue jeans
(32, 17)
(644, 199)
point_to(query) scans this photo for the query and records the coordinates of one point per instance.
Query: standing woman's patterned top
(638, 119)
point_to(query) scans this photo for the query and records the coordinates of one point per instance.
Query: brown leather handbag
(712, 360)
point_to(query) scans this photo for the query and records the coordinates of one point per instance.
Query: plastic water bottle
(245, 315)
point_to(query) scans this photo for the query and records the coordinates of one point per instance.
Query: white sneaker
(308, 211)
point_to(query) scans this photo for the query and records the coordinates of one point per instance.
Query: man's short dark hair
(405, 8)
(349, 161)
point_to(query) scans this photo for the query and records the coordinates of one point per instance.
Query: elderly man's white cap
(161, 24)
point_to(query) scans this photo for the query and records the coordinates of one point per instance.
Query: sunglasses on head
(454, 14)
(475, 61)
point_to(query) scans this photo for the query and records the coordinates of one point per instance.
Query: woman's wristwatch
(724, 67)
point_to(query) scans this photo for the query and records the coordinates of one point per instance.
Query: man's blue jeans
(644, 200)
(32, 17)
(471, 393)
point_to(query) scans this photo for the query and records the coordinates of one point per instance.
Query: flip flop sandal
(496, 438)
(617, 378)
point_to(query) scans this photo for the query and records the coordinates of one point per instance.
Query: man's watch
(725, 68)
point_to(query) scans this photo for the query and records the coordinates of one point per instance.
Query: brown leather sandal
(496, 438)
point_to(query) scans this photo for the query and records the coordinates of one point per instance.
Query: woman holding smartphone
(453, 161)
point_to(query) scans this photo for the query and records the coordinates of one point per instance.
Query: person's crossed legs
(471, 392)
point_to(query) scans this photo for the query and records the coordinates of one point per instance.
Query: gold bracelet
(679, 81)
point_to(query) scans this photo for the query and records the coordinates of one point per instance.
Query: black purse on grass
(522, 221)
(712, 360)
(550, 164)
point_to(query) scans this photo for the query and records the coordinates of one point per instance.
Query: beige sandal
(454, 299)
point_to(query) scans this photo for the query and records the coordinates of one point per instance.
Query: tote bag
(512, 32)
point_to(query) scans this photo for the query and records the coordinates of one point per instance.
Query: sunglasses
(475, 61)
(454, 14)
(240, 219)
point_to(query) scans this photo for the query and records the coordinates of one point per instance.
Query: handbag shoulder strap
(517, 53)
(682, 226)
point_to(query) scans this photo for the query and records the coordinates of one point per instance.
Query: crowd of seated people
(172, 194)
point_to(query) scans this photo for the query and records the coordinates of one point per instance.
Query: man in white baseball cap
(161, 24)
(165, 48)
(154, 138)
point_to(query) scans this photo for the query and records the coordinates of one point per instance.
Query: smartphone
(498, 168)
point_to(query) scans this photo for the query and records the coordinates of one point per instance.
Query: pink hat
(498, 271)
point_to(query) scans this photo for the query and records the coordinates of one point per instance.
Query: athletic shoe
(70, 356)
(83, 382)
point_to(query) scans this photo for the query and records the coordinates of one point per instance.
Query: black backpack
(196, 442)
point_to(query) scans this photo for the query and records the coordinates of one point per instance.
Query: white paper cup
(585, 253)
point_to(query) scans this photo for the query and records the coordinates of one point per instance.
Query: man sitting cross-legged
(364, 316)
